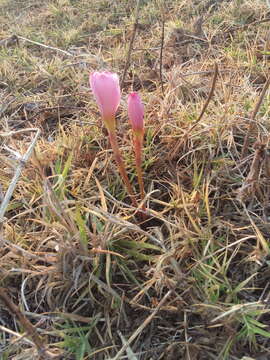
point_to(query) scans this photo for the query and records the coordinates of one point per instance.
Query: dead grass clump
(84, 277)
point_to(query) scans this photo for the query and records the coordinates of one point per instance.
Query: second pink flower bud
(136, 113)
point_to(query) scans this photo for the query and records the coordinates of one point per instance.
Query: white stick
(17, 174)
(45, 46)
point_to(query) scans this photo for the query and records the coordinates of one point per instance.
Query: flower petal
(106, 90)
(135, 112)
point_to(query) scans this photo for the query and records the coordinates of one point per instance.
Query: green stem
(121, 166)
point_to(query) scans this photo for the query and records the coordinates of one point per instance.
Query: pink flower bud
(135, 112)
(106, 90)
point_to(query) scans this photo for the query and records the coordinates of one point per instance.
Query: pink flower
(135, 112)
(106, 90)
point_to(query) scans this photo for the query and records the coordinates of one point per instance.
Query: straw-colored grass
(81, 277)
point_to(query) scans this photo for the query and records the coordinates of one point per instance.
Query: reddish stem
(138, 158)
(121, 166)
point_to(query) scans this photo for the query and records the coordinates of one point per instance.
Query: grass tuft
(94, 282)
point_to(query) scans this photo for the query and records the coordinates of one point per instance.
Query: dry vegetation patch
(81, 277)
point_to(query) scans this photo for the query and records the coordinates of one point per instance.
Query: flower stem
(121, 166)
(138, 159)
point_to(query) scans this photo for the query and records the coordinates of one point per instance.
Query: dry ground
(80, 276)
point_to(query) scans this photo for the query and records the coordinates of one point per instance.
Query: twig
(211, 93)
(161, 50)
(135, 25)
(252, 119)
(205, 72)
(45, 46)
(130, 353)
(250, 184)
(142, 326)
(243, 27)
(19, 336)
(16, 176)
(25, 323)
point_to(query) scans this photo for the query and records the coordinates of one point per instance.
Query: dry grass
(80, 276)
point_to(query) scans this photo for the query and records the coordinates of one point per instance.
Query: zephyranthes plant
(136, 114)
(106, 89)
